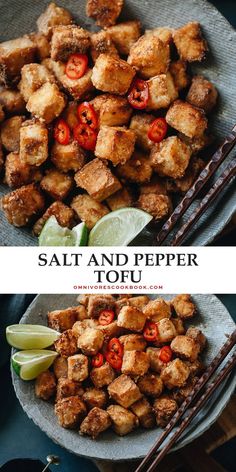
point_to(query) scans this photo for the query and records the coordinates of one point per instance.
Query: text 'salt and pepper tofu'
(78, 367)
(115, 144)
(137, 169)
(150, 56)
(91, 341)
(46, 103)
(185, 347)
(51, 17)
(61, 320)
(66, 344)
(183, 306)
(88, 209)
(33, 143)
(104, 12)
(17, 173)
(162, 91)
(101, 43)
(69, 157)
(14, 54)
(97, 179)
(151, 384)
(123, 420)
(124, 391)
(124, 35)
(143, 410)
(112, 110)
(22, 205)
(187, 119)
(112, 75)
(189, 42)
(64, 215)
(171, 157)
(67, 40)
(33, 76)
(202, 94)
(102, 376)
(45, 385)
(95, 423)
(10, 133)
(70, 412)
(131, 318)
(135, 363)
(175, 374)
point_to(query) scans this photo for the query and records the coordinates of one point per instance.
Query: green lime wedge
(23, 336)
(119, 227)
(80, 233)
(29, 364)
(53, 234)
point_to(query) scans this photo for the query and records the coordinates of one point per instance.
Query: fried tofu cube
(102, 376)
(138, 169)
(97, 179)
(60, 367)
(162, 91)
(22, 205)
(79, 89)
(170, 157)
(165, 407)
(90, 341)
(198, 336)
(33, 76)
(179, 325)
(150, 56)
(185, 347)
(183, 184)
(70, 412)
(78, 367)
(175, 374)
(68, 388)
(179, 72)
(131, 318)
(202, 94)
(166, 331)
(195, 368)
(197, 144)
(51, 17)
(112, 75)
(156, 363)
(115, 144)
(123, 390)
(180, 394)
(124, 35)
(64, 215)
(159, 206)
(133, 342)
(14, 54)
(46, 103)
(187, 119)
(120, 199)
(68, 157)
(70, 115)
(45, 385)
(163, 33)
(67, 40)
(157, 309)
(66, 345)
(123, 420)
(95, 423)
(110, 331)
(88, 210)
(95, 397)
(57, 184)
(135, 363)
(10, 133)
(101, 43)
(104, 12)
(98, 303)
(2, 158)
(139, 301)
(143, 410)
(42, 44)
(151, 385)
(12, 101)
(112, 110)
(80, 326)
(140, 124)
(62, 320)
(33, 143)
(17, 173)
(189, 42)
(184, 306)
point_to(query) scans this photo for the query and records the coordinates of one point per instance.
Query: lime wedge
(23, 336)
(80, 233)
(53, 234)
(29, 364)
(119, 227)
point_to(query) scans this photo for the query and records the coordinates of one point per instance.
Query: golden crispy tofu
(97, 179)
(2, 158)
(184, 306)
(46, 103)
(175, 374)
(62, 320)
(68, 157)
(95, 423)
(17, 173)
(95, 397)
(2, 114)
(170, 157)
(90, 341)
(64, 215)
(189, 42)
(144, 412)
(112, 110)
(183, 184)
(124, 35)
(102, 376)
(156, 185)
(123, 420)
(101, 43)
(67, 40)
(185, 347)
(33, 76)
(68, 388)
(70, 412)
(133, 342)
(187, 119)
(159, 206)
(198, 336)
(104, 12)
(22, 205)
(135, 363)
(88, 209)
(70, 115)
(198, 143)
(150, 56)
(131, 318)
(165, 407)
(78, 367)
(14, 54)
(45, 385)
(12, 101)
(98, 303)
(180, 394)
(121, 199)
(81, 325)
(123, 390)
(66, 345)
(33, 143)
(42, 44)
(112, 75)
(110, 331)
(202, 94)
(179, 72)
(10, 133)
(51, 17)
(139, 301)
(151, 385)
(156, 364)
(60, 367)
(57, 184)
(140, 124)
(157, 309)
(162, 91)
(163, 33)
(115, 144)
(179, 325)
(137, 169)
(166, 331)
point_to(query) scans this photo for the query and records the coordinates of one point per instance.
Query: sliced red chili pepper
(138, 94)
(165, 354)
(76, 66)
(85, 136)
(106, 317)
(97, 360)
(157, 130)
(150, 332)
(88, 115)
(114, 345)
(114, 360)
(62, 132)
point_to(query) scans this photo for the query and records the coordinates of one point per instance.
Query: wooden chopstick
(219, 185)
(211, 388)
(224, 351)
(218, 157)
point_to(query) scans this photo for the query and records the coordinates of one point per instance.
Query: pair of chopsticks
(194, 401)
(218, 157)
